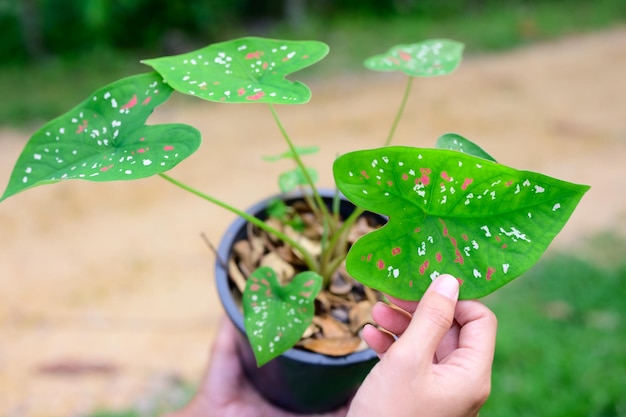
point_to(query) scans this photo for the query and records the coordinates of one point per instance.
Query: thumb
(433, 317)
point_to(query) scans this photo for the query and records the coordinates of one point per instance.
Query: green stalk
(308, 259)
(405, 97)
(296, 156)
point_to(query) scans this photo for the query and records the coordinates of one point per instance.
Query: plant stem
(405, 97)
(311, 263)
(296, 157)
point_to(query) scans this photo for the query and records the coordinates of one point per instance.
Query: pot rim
(232, 309)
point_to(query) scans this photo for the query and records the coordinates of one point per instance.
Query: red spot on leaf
(411, 283)
(380, 264)
(146, 101)
(466, 183)
(504, 246)
(405, 176)
(241, 91)
(305, 56)
(509, 183)
(105, 169)
(424, 179)
(458, 258)
(404, 56)
(81, 128)
(424, 267)
(364, 173)
(490, 272)
(396, 251)
(497, 238)
(460, 281)
(253, 55)
(131, 103)
(464, 237)
(309, 283)
(390, 183)
(417, 230)
(445, 176)
(255, 287)
(438, 256)
(265, 65)
(168, 148)
(306, 294)
(256, 96)
(369, 257)
(141, 150)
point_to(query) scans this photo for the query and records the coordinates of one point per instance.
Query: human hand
(225, 391)
(440, 365)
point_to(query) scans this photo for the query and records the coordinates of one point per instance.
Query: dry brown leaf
(360, 228)
(331, 327)
(284, 270)
(360, 315)
(236, 275)
(313, 247)
(340, 284)
(332, 347)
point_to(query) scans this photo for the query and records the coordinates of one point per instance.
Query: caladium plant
(451, 209)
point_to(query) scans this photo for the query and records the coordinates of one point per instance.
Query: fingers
(391, 319)
(433, 318)
(478, 328)
(377, 339)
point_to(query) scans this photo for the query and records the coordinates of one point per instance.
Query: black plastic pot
(298, 381)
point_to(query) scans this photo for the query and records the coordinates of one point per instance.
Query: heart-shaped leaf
(104, 139)
(276, 316)
(455, 142)
(290, 180)
(449, 212)
(245, 70)
(423, 59)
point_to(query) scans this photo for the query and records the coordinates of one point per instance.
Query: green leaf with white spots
(449, 212)
(105, 139)
(276, 316)
(290, 180)
(455, 142)
(423, 59)
(245, 70)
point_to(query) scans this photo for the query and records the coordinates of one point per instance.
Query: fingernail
(447, 285)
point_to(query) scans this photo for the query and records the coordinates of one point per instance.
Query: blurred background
(107, 306)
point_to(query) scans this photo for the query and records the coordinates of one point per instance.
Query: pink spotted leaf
(276, 316)
(423, 59)
(244, 70)
(449, 212)
(105, 138)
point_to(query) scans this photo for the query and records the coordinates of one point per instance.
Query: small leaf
(300, 150)
(245, 70)
(290, 180)
(276, 316)
(105, 139)
(423, 59)
(449, 212)
(458, 143)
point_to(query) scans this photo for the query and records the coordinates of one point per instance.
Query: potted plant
(450, 209)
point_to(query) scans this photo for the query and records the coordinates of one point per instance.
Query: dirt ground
(106, 292)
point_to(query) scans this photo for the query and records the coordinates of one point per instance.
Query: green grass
(35, 93)
(561, 337)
